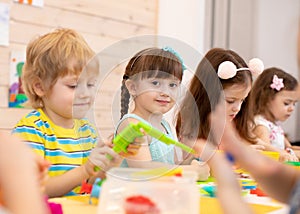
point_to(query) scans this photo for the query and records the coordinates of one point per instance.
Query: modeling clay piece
(257, 192)
(132, 131)
(140, 204)
(54, 208)
(96, 190)
(210, 190)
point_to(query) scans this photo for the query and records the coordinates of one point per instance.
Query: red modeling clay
(140, 204)
(258, 192)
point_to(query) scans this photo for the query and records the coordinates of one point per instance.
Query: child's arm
(262, 134)
(19, 182)
(60, 185)
(190, 163)
(228, 188)
(276, 179)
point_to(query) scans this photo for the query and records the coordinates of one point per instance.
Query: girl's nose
(237, 107)
(163, 94)
(291, 108)
(164, 91)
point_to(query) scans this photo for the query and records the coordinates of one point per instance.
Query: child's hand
(285, 156)
(42, 167)
(133, 148)
(202, 169)
(102, 156)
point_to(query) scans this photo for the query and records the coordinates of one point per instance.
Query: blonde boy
(55, 129)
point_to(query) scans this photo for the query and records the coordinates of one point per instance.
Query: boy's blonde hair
(51, 56)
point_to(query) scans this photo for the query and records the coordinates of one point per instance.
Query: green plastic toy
(132, 131)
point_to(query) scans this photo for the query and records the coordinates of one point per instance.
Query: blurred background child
(272, 100)
(152, 79)
(219, 71)
(277, 180)
(59, 78)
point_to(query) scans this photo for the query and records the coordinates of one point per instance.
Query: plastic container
(135, 191)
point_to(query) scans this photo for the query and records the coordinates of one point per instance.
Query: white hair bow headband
(228, 69)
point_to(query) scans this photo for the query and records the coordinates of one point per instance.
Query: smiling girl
(152, 79)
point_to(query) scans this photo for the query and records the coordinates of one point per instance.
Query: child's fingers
(132, 150)
(257, 147)
(143, 131)
(101, 143)
(138, 140)
(42, 166)
(98, 155)
(110, 152)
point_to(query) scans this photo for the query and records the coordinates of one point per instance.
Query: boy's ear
(131, 87)
(38, 88)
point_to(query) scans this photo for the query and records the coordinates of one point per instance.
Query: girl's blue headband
(171, 50)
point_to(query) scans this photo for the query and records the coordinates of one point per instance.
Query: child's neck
(153, 118)
(58, 120)
(270, 117)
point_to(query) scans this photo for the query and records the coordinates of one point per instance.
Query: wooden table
(80, 204)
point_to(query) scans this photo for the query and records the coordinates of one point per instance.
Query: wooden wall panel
(102, 23)
(139, 12)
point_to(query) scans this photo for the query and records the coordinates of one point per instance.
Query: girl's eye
(91, 85)
(230, 101)
(173, 85)
(156, 83)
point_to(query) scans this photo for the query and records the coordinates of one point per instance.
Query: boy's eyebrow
(71, 78)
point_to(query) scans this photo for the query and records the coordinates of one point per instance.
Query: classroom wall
(188, 29)
(102, 23)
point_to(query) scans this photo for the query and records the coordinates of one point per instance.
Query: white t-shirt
(276, 132)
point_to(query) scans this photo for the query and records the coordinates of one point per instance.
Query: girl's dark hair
(204, 94)
(150, 63)
(262, 93)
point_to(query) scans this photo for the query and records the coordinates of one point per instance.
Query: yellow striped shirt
(64, 148)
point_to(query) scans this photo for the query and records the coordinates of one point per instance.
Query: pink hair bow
(277, 83)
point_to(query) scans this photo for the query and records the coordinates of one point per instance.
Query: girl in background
(219, 71)
(152, 79)
(272, 100)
